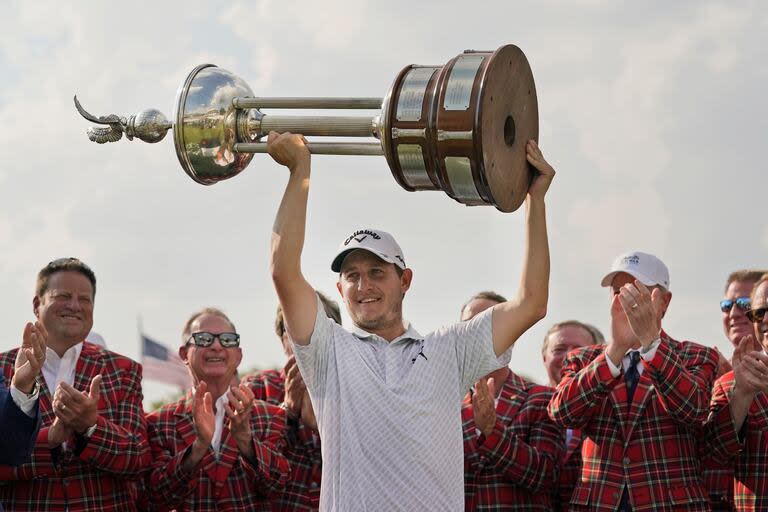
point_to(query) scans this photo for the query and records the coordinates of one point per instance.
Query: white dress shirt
(25, 402)
(61, 369)
(646, 356)
(220, 413)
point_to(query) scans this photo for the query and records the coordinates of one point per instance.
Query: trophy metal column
(461, 127)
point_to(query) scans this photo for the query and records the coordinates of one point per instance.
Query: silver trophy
(460, 127)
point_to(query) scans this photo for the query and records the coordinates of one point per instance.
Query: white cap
(376, 241)
(646, 268)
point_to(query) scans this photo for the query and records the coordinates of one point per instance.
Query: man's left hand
(483, 405)
(545, 172)
(76, 409)
(643, 310)
(239, 406)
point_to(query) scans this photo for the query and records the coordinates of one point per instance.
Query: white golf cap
(646, 268)
(375, 241)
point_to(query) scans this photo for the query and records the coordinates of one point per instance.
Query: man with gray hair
(640, 401)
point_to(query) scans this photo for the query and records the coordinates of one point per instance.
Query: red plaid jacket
(224, 483)
(99, 474)
(570, 471)
(748, 448)
(302, 492)
(514, 467)
(652, 446)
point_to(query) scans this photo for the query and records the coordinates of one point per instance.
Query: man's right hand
(30, 357)
(205, 424)
(294, 388)
(58, 433)
(288, 149)
(622, 337)
(750, 367)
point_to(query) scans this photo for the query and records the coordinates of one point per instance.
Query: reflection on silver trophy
(460, 127)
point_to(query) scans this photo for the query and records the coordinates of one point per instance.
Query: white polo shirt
(389, 413)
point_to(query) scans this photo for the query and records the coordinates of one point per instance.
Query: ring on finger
(635, 305)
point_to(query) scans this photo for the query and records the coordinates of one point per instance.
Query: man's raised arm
(512, 318)
(296, 296)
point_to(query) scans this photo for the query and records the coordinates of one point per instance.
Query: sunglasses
(205, 339)
(757, 315)
(743, 303)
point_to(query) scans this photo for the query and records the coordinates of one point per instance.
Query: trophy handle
(149, 125)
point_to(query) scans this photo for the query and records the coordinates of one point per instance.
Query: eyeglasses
(757, 315)
(205, 339)
(743, 303)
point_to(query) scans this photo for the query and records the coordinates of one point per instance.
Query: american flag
(162, 364)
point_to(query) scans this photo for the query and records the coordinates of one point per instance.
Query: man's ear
(183, 350)
(36, 306)
(666, 299)
(406, 279)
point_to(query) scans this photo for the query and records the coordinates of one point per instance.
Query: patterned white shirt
(389, 413)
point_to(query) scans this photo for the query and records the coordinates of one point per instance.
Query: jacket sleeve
(169, 482)
(582, 390)
(529, 461)
(721, 440)
(684, 388)
(269, 469)
(17, 430)
(119, 443)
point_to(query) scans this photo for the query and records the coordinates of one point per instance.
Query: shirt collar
(71, 354)
(409, 334)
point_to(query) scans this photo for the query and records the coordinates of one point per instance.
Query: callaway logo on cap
(376, 241)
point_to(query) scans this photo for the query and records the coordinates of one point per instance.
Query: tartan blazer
(302, 492)
(747, 449)
(227, 482)
(514, 467)
(570, 471)
(652, 446)
(17, 430)
(94, 474)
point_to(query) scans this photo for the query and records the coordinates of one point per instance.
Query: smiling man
(92, 442)
(388, 399)
(216, 449)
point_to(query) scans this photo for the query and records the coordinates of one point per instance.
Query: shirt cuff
(615, 370)
(26, 403)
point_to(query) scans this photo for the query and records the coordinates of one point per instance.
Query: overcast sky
(653, 113)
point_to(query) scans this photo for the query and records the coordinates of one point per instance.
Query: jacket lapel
(643, 393)
(184, 422)
(89, 365)
(619, 403)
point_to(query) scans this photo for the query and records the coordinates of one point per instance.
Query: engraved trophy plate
(460, 127)
(411, 99)
(459, 89)
(414, 169)
(459, 171)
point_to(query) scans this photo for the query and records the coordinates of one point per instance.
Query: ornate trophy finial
(149, 125)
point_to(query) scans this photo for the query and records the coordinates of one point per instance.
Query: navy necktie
(632, 376)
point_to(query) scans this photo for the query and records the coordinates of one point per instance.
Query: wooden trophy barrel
(462, 127)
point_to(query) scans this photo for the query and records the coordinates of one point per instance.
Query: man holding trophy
(387, 399)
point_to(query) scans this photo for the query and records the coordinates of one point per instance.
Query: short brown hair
(63, 265)
(760, 281)
(597, 336)
(331, 307)
(484, 295)
(747, 275)
(185, 333)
